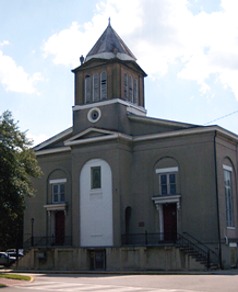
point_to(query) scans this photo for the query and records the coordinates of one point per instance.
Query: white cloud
(161, 33)
(66, 46)
(63, 45)
(37, 139)
(14, 78)
(4, 43)
(215, 50)
(205, 44)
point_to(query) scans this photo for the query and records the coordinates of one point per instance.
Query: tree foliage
(18, 165)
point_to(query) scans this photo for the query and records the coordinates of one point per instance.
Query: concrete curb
(58, 272)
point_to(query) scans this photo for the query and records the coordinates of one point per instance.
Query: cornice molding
(52, 151)
(110, 135)
(130, 107)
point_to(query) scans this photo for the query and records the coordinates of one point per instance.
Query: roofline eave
(110, 55)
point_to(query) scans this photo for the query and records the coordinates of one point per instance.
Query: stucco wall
(117, 259)
(53, 166)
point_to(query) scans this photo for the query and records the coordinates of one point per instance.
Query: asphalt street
(218, 282)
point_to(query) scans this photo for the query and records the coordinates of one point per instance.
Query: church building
(124, 191)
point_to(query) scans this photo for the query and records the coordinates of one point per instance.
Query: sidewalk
(11, 282)
(102, 272)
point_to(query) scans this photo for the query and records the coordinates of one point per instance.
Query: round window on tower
(94, 115)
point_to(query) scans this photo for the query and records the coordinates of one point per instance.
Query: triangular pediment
(93, 135)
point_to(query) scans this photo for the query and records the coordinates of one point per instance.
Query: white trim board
(167, 170)
(58, 181)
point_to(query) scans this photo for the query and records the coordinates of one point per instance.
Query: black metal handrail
(201, 244)
(201, 253)
(27, 243)
(191, 246)
(151, 239)
(47, 241)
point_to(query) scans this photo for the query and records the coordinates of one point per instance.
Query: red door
(170, 221)
(59, 228)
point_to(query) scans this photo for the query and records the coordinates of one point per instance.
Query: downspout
(217, 204)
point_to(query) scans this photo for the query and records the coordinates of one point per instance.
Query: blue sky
(188, 48)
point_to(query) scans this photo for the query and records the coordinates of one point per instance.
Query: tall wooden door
(59, 227)
(170, 221)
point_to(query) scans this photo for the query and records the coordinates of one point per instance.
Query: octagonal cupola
(109, 72)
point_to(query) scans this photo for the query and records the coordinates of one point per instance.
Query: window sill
(55, 207)
(159, 199)
(96, 190)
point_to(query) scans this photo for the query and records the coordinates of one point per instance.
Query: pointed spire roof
(109, 46)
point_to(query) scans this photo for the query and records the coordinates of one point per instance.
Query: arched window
(103, 93)
(87, 89)
(96, 87)
(57, 187)
(166, 177)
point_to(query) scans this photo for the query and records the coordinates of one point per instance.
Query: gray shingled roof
(109, 46)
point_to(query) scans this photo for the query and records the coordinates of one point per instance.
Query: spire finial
(81, 59)
(109, 21)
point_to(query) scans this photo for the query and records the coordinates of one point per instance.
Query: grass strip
(15, 277)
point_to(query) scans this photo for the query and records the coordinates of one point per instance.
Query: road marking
(73, 287)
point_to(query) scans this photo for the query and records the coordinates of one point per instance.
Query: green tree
(18, 165)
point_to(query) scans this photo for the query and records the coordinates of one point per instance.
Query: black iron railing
(152, 239)
(48, 241)
(188, 244)
(201, 253)
(209, 254)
